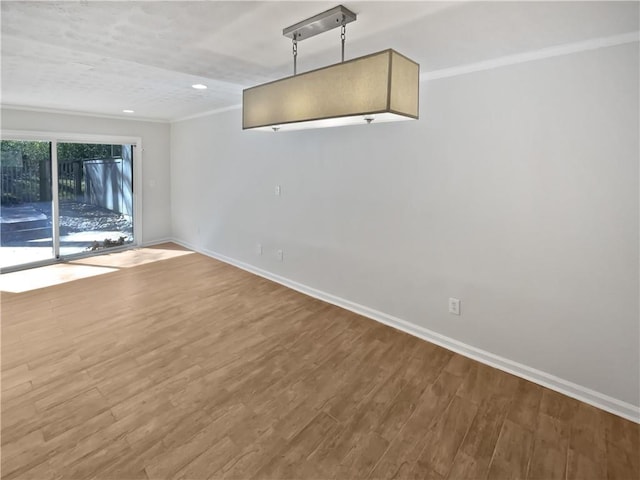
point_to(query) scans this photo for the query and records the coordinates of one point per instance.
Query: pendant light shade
(380, 87)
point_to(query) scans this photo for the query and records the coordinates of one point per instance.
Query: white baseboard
(579, 392)
(158, 241)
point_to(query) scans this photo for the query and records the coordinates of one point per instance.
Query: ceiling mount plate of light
(323, 22)
(376, 88)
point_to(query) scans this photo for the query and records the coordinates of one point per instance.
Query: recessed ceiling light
(199, 86)
(128, 111)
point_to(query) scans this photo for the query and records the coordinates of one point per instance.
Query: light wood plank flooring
(189, 368)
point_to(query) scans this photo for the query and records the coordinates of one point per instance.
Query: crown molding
(208, 112)
(57, 111)
(550, 52)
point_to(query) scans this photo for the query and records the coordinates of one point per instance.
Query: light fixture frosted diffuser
(380, 87)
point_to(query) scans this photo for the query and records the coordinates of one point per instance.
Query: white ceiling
(103, 57)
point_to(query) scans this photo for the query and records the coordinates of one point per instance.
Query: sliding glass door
(26, 226)
(95, 197)
(63, 199)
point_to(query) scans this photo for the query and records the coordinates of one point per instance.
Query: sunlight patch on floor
(132, 258)
(42, 277)
(10, 256)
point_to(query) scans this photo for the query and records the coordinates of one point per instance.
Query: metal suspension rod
(343, 31)
(295, 54)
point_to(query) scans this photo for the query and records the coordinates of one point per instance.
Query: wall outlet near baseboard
(454, 306)
(280, 255)
(259, 249)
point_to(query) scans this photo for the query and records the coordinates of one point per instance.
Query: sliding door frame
(55, 201)
(58, 137)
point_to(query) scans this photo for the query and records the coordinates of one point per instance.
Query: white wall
(516, 191)
(156, 219)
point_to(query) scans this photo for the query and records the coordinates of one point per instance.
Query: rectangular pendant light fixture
(381, 87)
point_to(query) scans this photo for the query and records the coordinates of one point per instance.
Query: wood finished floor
(190, 368)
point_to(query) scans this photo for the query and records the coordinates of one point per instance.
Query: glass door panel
(95, 197)
(26, 228)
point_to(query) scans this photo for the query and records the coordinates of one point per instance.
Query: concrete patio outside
(26, 231)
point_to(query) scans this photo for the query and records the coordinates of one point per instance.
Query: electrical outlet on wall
(454, 306)
(277, 190)
(259, 249)
(280, 255)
